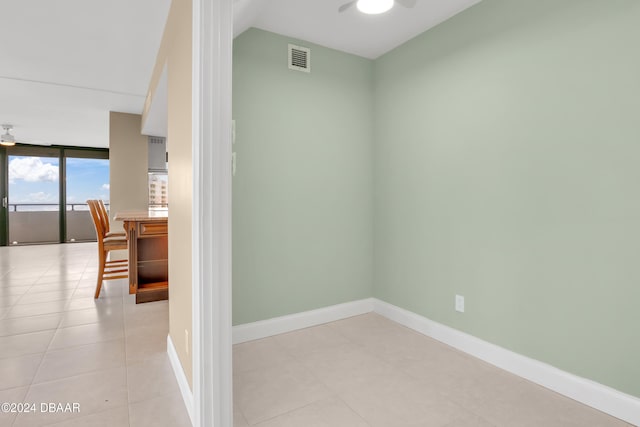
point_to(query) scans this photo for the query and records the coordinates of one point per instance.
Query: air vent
(156, 139)
(299, 58)
(157, 153)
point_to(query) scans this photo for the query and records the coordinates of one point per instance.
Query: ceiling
(67, 63)
(319, 22)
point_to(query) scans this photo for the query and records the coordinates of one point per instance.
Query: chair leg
(101, 266)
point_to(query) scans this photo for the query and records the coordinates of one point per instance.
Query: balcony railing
(39, 223)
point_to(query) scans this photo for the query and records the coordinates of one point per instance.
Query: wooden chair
(107, 269)
(104, 216)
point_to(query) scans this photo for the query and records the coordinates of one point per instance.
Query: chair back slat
(97, 220)
(104, 215)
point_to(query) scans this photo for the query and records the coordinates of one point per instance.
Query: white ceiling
(65, 64)
(318, 21)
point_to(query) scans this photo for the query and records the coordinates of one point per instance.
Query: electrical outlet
(186, 341)
(460, 303)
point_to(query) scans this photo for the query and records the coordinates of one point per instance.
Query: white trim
(211, 226)
(293, 322)
(591, 393)
(183, 383)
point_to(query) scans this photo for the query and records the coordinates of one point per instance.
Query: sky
(36, 179)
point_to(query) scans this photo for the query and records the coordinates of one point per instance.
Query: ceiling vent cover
(299, 58)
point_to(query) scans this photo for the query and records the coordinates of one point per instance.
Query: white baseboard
(293, 322)
(591, 393)
(183, 383)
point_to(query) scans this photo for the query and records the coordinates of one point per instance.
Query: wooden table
(148, 254)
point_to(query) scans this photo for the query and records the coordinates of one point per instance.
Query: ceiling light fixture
(374, 7)
(7, 139)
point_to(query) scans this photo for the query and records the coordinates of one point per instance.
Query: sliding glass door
(86, 178)
(33, 196)
(44, 191)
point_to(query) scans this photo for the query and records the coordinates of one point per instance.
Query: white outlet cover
(460, 303)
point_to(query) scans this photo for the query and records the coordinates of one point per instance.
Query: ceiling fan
(376, 6)
(7, 139)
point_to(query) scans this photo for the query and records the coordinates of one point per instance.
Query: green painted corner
(302, 194)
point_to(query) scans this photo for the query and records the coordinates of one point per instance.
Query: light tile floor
(59, 345)
(369, 371)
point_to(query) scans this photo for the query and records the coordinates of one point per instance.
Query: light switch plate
(233, 131)
(233, 163)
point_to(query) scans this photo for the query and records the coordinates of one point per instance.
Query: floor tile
(164, 411)
(117, 417)
(398, 400)
(152, 378)
(331, 412)
(86, 334)
(354, 327)
(136, 312)
(18, 371)
(532, 405)
(40, 297)
(109, 314)
(80, 360)
(469, 419)
(146, 320)
(259, 354)
(141, 347)
(36, 309)
(24, 344)
(267, 392)
(105, 291)
(238, 418)
(67, 267)
(342, 366)
(305, 341)
(95, 392)
(24, 325)
(13, 290)
(466, 379)
(58, 277)
(88, 282)
(84, 303)
(23, 276)
(52, 287)
(8, 300)
(14, 395)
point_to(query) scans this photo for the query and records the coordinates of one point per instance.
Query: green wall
(302, 194)
(507, 170)
(496, 156)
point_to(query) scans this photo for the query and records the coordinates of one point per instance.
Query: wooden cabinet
(148, 255)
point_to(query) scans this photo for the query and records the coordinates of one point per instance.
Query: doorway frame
(211, 215)
(4, 198)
